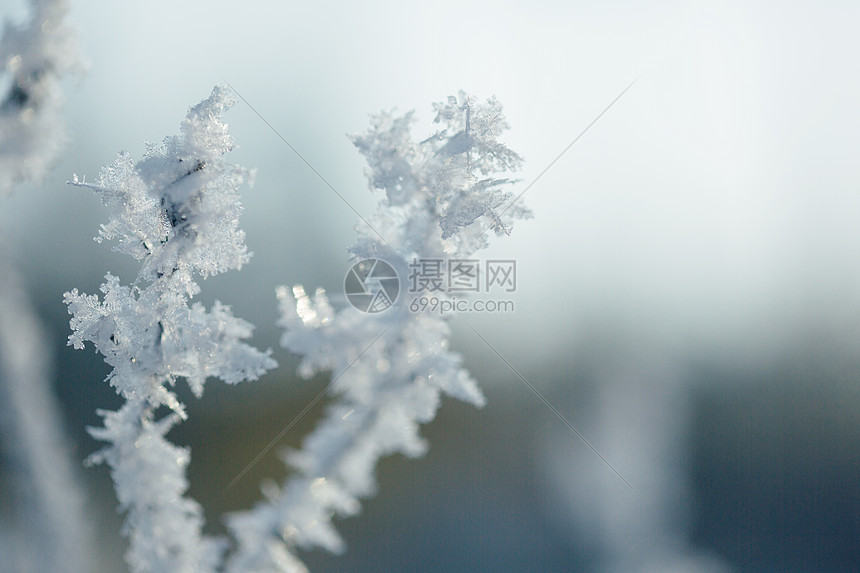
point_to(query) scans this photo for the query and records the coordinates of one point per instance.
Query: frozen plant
(389, 369)
(46, 529)
(36, 54)
(177, 212)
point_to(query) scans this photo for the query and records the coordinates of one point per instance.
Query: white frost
(388, 370)
(177, 211)
(36, 55)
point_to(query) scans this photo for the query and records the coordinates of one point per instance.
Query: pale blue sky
(722, 185)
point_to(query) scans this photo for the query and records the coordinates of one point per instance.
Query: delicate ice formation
(389, 369)
(36, 54)
(177, 212)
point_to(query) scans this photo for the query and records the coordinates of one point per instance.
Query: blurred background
(688, 291)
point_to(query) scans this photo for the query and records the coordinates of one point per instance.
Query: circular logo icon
(371, 285)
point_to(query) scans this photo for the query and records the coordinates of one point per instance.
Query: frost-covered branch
(36, 54)
(52, 531)
(177, 212)
(49, 528)
(389, 369)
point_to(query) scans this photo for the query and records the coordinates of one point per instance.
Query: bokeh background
(687, 291)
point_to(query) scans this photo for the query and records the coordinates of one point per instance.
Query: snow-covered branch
(49, 528)
(36, 54)
(389, 369)
(177, 212)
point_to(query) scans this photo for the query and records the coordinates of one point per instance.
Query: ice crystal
(389, 370)
(36, 54)
(176, 211)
